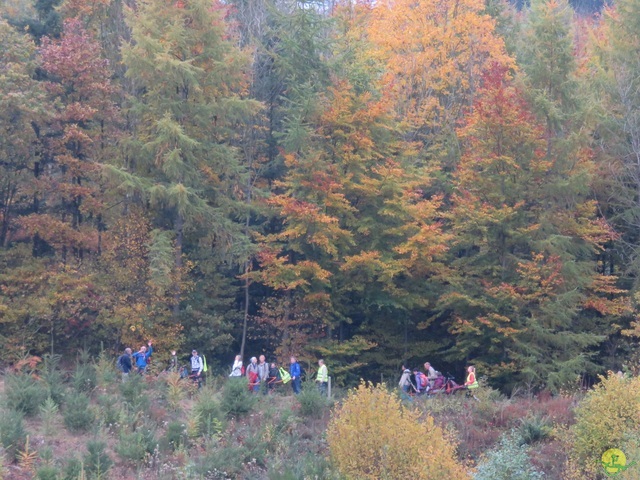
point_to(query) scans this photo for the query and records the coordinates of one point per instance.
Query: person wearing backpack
(405, 380)
(263, 374)
(124, 364)
(196, 367)
(296, 372)
(422, 382)
(252, 375)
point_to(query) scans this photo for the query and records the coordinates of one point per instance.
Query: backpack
(119, 364)
(422, 381)
(303, 372)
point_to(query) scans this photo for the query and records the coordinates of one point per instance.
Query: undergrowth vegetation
(91, 425)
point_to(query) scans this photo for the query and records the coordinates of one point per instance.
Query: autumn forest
(368, 182)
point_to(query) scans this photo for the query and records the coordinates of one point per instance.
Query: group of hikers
(417, 382)
(261, 375)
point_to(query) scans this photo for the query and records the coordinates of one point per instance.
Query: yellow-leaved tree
(372, 435)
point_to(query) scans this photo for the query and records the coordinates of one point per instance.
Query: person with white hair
(252, 375)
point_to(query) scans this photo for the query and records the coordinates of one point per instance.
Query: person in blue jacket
(142, 357)
(295, 372)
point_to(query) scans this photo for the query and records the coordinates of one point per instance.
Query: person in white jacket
(236, 370)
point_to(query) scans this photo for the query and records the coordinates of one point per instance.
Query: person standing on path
(196, 367)
(263, 374)
(124, 364)
(236, 369)
(323, 377)
(295, 372)
(142, 357)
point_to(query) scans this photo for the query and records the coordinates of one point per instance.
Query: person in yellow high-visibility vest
(471, 382)
(323, 377)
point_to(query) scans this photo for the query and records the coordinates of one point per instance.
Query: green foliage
(111, 412)
(533, 428)
(83, 378)
(53, 377)
(309, 466)
(606, 417)
(508, 461)
(106, 373)
(134, 394)
(312, 402)
(222, 462)
(138, 445)
(48, 472)
(175, 436)
(12, 432)
(77, 414)
(48, 414)
(73, 469)
(96, 461)
(236, 398)
(24, 393)
(209, 414)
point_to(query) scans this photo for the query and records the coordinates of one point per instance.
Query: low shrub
(606, 417)
(24, 393)
(96, 461)
(48, 415)
(175, 436)
(48, 472)
(134, 393)
(112, 414)
(533, 428)
(83, 378)
(509, 461)
(105, 370)
(77, 414)
(312, 402)
(364, 441)
(236, 398)
(222, 462)
(209, 414)
(53, 378)
(73, 469)
(309, 466)
(138, 445)
(12, 432)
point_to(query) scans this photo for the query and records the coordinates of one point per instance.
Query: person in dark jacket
(124, 364)
(274, 376)
(295, 372)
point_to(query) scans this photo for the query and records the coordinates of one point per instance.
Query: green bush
(209, 414)
(24, 393)
(77, 414)
(222, 462)
(236, 397)
(134, 393)
(106, 373)
(48, 415)
(112, 415)
(175, 436)
(53, 378)
(84, 378)
(48, 472)
(96, 461)
(310, 466)
(136, 446)
(312, 402)
(533, 429)
(73, 469)
(507, 462)
(12, 432)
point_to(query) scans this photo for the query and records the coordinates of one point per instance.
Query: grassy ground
(159, 427)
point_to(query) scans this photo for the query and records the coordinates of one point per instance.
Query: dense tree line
(367, 182)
